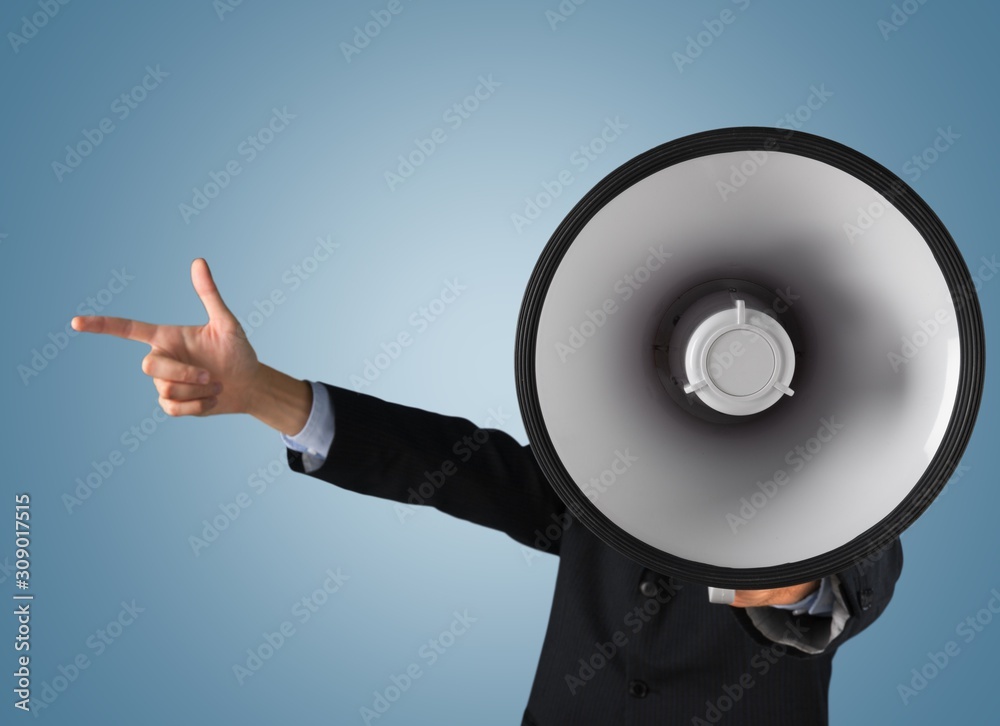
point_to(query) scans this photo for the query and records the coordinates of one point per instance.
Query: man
(624, 645)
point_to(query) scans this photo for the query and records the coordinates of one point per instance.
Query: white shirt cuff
(315, 438)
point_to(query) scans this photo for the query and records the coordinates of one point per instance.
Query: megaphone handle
(721, 596)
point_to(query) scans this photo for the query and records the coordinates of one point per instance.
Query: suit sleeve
(409, 455)
(862, 591)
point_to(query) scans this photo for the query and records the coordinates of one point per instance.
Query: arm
(409, 455)
(860, 594)
(384, 449)
(485, 476)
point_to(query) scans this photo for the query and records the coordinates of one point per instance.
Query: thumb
(204, 285)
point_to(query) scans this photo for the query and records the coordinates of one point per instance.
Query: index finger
(121, 327)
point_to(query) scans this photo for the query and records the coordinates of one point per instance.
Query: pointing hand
(198, 370)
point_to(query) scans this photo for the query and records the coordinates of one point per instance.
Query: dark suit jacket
(624, 645)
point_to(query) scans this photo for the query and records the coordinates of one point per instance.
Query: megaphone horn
(782, 336)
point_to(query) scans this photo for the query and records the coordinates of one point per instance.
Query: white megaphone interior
(867, 412)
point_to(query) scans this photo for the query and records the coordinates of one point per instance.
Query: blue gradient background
(323, 176)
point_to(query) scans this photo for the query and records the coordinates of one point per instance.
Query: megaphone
(749, 358)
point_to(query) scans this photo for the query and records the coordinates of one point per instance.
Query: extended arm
(388, 450)
(409, 455)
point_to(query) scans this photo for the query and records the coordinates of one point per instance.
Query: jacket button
(638, 689)
(648, 588)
